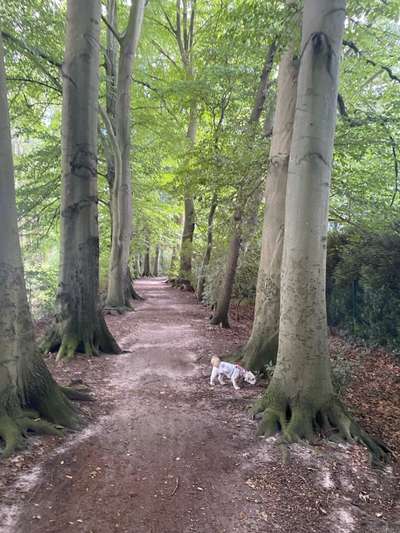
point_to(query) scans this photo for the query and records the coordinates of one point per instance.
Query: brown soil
(165, 453)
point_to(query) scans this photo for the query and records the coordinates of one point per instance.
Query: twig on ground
(176, 487)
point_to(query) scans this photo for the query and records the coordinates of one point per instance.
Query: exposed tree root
(40, 406)
(129, 297)
(118, 310)
(130, 292)
(47, 410)
(14, 430)
(91, 343)
(296, 421)
(220, 320)
(134, 294)
(77, 394)
(182, 284)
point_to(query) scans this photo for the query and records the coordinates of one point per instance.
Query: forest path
(163, 460)
(165, 453)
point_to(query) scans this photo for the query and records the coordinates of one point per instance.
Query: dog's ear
(250, 377)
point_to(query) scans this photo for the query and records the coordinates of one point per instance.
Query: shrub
(363, 285)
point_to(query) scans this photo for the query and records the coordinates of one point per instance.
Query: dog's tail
(215, 361)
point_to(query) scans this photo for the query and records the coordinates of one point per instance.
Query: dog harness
(230, 370)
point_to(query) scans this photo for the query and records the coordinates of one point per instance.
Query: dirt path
(171, 455)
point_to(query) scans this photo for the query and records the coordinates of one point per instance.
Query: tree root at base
(67, 345)
(305, 422)
(14, 430)
(118, 309)
(181, 283)
(76, 394)
(221, 321)
(130, 291)
(50, 411)
(134, 295)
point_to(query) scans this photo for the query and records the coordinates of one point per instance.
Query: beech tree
(207, 254)
(146, 261)
(30, 400)
(225, 294)
(184, 33)
(181, 27)
(262, 345)
(300, 399)
(79, 324)
(156, 263)
(120, 290)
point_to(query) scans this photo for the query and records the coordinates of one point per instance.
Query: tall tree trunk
(134, 294)
(207, 255)
(29, 397)
(79, 324)
(146, 262)
(221, 313)
(119, 292)
(173, 264)
(184, 33)
(156, 261)
(263, 343)
(300, 399)
(138, 265)
(221, 316)
(162, 262)
(189, 212)
(111, 88)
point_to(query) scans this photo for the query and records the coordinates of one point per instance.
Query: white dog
(221, 369)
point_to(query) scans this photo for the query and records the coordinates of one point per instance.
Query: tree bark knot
(320, 42)
(74, 208)
(317, 155)
(84, 163)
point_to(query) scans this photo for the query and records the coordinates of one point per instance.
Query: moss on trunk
(300, 417)
(36, 405)
(259, 352)
(67, 339)
(79, 325)
(30, 400)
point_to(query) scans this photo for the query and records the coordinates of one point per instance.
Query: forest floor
(163, 452)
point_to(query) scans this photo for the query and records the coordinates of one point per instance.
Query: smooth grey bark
(119, 292)
(111, 58)
(300, 399)
(173, 263)
(224, 299)
(303, 336)
(186, 254)
(262, 345)
(162, 262)
(146, 261)
(220, 317)
(138, 265)
(79, 324)
(25, 382)
(156, 263)
(133, 293)
(207, 254)
(184, 33)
